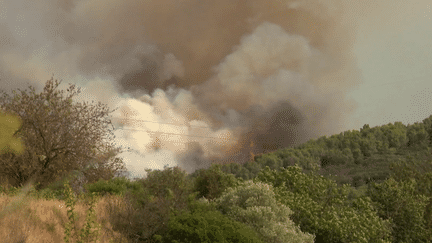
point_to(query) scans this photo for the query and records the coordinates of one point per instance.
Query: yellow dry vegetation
(31, 220)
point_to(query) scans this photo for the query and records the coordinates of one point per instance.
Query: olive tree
(255, 205)
(59, 137)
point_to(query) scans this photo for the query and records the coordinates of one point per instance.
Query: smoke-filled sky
(200, 81)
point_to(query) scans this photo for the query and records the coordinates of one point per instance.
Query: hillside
(372, 185)
(351, 157)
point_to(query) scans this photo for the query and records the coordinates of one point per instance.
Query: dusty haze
(214, 80)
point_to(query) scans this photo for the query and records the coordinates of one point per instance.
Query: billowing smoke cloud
(195, 81)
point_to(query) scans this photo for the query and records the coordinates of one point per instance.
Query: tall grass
(88, 233)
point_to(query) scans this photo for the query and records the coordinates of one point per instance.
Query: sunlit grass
(27, 216)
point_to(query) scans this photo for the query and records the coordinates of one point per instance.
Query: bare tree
(59, 137)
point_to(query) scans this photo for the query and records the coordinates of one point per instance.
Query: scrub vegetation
(372, 185)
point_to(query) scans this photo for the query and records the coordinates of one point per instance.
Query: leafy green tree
(59, 137)
(322, 208)
(271, 160)
(368, 144)
(237, 170)
(163, 195)
(421, 171)
(321, 141)
(334, 157)
(357, 155)
(211, 183)
(290, 161)
(171, 182)
(428, 126)
(398, 202)
(208, 227)
(417, 135)
(395, 134)
(315, 151)
(333, 142)
(253, 167)
(308, 157)
(255, 205)
(354, 137)
(365, 130)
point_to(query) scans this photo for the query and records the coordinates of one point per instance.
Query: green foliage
(395, 134)
(357, 155)
(428, 126)
(253, 167)
(398, 202)
(322, 208)
(333, 142)
(334, 157)
(255, 205)
(59, 136)
(9, 125)
(368, 144)
(116, 186)
(157, 182)
(417, 135)
(211, 183)
(87, 234)
(357, 181)
(421, 171)
(207, 226)
(164, 193)
(236, 169)
(270, 160)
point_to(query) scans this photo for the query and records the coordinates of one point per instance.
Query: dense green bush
(211, 183)
(207, 227)
(335, 157)
(270, 160)
(253, 167)
(322, 208)
(254, 204)
(237, 170)
(164, 192)
(417, 135)
(399, 202)
(117, 186)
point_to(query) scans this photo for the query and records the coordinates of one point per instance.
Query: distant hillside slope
(351, 157)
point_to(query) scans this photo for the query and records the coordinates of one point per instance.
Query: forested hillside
(351, 157)
(390, 164)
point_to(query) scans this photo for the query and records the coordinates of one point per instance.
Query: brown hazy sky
(256, 75)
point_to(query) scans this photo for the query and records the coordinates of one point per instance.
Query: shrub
(254, 204)
(211, 183)
(161, 193)
(321, 207)
(208, 226)
(400, 202)
(116, 186)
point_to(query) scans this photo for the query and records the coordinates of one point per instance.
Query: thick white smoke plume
(195, 81)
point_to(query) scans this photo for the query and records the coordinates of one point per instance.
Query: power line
(167, 133)
(158, 122)
(162, 132)
(209, 127)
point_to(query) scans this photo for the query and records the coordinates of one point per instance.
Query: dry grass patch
(27, 219)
